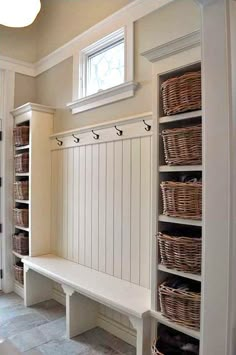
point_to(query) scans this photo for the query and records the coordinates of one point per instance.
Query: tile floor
(41, 330)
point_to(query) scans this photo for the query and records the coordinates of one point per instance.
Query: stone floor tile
(63, 347)
(11, 312)
(41, 330)
(51, 309)
(32, 352)
(42, 334)
(21, 323)
(9, 299)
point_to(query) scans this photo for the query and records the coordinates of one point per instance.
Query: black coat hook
(59, 142)
(148, 127)
(76, 140)
(95, 135)
(119, 131)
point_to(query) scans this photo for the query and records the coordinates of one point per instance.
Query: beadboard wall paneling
(101, 211)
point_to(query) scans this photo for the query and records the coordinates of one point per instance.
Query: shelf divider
(180, 273)
(163, 320)
(180, 117)
(188, 222)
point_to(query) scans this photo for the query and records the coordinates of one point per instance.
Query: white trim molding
(123, 17)
(17, 66)
(173, 47)
(117, 93)
(7, 84)
(28, 107)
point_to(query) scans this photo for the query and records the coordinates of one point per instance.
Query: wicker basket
(183, 200)
(180, 253)
(154, 348)
(22, 163)
(181, 94)
(20, 244)
(19, 272)
(21, 135)
(182, 307)
(21, 190)
(21, 217)
(183, 146)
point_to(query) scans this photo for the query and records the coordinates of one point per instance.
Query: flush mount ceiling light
(18, 13)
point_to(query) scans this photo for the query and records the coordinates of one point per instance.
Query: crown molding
(176, 46)
(126, 15)
(17, 66)
(32, 107)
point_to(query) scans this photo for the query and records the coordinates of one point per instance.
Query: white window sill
(117, 93)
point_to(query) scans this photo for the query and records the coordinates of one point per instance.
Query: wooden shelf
(188, 222)
(24, 147)
(18, 255)
(170, 169)
(23, 201)
(23, 228)
(22, 174)
(180, 273)
(163, 320)
(180, 116)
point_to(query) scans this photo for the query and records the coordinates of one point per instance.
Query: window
(105, 68)
(103, 71)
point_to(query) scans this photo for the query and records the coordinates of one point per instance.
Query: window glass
(105, 68)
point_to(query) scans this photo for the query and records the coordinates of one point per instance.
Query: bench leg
(143, 334)
(81, 313)
(37, 288)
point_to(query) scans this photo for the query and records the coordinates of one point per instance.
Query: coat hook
(76, 140)
(148, 127)
(59, 142)
(119, 131)
(95, 135)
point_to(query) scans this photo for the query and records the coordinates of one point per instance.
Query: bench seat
(85, 288)
(108, 290)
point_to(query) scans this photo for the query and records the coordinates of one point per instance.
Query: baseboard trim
(59, 297)
(117, 329)
(19, 290)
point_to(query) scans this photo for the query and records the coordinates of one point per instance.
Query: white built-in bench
(84, 289)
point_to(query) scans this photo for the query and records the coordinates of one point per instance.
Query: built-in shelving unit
(164, 172)
(40, 121)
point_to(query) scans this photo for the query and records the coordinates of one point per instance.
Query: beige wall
(54, 87)
(25, 90)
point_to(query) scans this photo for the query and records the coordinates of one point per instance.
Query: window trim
(81, 102)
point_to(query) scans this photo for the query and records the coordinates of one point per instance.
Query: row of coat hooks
(96, 136)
